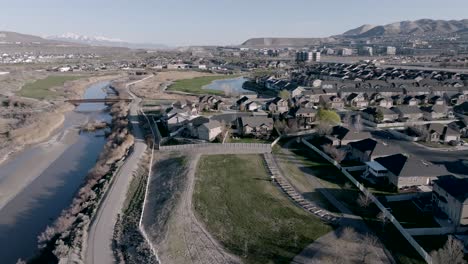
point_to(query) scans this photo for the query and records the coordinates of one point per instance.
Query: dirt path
(187, 240)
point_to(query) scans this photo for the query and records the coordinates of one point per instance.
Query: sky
(213, 22)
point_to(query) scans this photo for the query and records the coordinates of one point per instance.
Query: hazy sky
(196, 22)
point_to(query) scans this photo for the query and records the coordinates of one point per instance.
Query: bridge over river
(99, 100)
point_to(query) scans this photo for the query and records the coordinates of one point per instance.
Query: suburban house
(252, 106)
(383, 102)
(278, 105)
(460, 126)
(241, 102)
(341, 136)
(437, 112)
(440, 132)
(210, 130)
(306, 116)
(331, 102)
(404, 171)
(406, 112)
(457, 99)
(379, 114)
(450, 199)
(357, 100)
(369, 149)
(258, 126)
(210, 102)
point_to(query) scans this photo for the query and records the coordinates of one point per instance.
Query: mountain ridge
(415, 28)
(104, 41)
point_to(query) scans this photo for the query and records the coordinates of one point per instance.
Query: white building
(391, 50)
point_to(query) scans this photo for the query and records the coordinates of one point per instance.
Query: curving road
(99, 244)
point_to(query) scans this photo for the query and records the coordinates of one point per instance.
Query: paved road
(99, 247)
(454, 161)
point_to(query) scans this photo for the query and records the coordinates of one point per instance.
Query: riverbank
(66, 238)
(39, 126)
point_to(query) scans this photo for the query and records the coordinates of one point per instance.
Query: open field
(195, 85)
(41, 89)
(153, 88)
(248, 214)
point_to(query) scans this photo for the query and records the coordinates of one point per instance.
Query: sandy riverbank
(40, 126)
(45, 140)
(18, 173)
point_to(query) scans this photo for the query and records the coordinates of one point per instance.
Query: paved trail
(99, 244)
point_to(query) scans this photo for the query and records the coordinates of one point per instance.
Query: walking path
(99, 244)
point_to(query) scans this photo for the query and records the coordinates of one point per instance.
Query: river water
(40, 202)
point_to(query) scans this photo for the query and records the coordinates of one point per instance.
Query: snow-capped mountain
(104, 41)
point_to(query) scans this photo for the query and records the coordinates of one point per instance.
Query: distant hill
(104, 41)
(284, 42)
(13, 38)
(359, 30)
(418, 27)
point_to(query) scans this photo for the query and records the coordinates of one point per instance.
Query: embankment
(64, 240)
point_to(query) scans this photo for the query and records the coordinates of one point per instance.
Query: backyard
(248, 214)
(307, 160)
(195, 85)
(41, 89)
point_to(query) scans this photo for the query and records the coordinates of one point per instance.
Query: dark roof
(404, 166)
(256, 121)
(456, 187)
(343, 133)
(376, 148)
(405, 109)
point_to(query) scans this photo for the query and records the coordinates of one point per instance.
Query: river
(48, 175)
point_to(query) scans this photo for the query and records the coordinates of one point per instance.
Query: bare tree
(364, 200)
(450, 253)
(337, 154)
(349, 234)
(383, 219)
(357, 123)
(368, 246)
(323, 129)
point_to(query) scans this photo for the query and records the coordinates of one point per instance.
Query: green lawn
(248, 214)
(195, 85)
(40, 89)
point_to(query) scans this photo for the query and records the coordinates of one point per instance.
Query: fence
(405, 124)
(404, 197)
(382, 208)
(403, 136)
(265, 147)
(436, 230)
(356, 168)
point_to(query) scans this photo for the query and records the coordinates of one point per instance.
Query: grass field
(248, 214)
(195, 85)
(40, 89)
